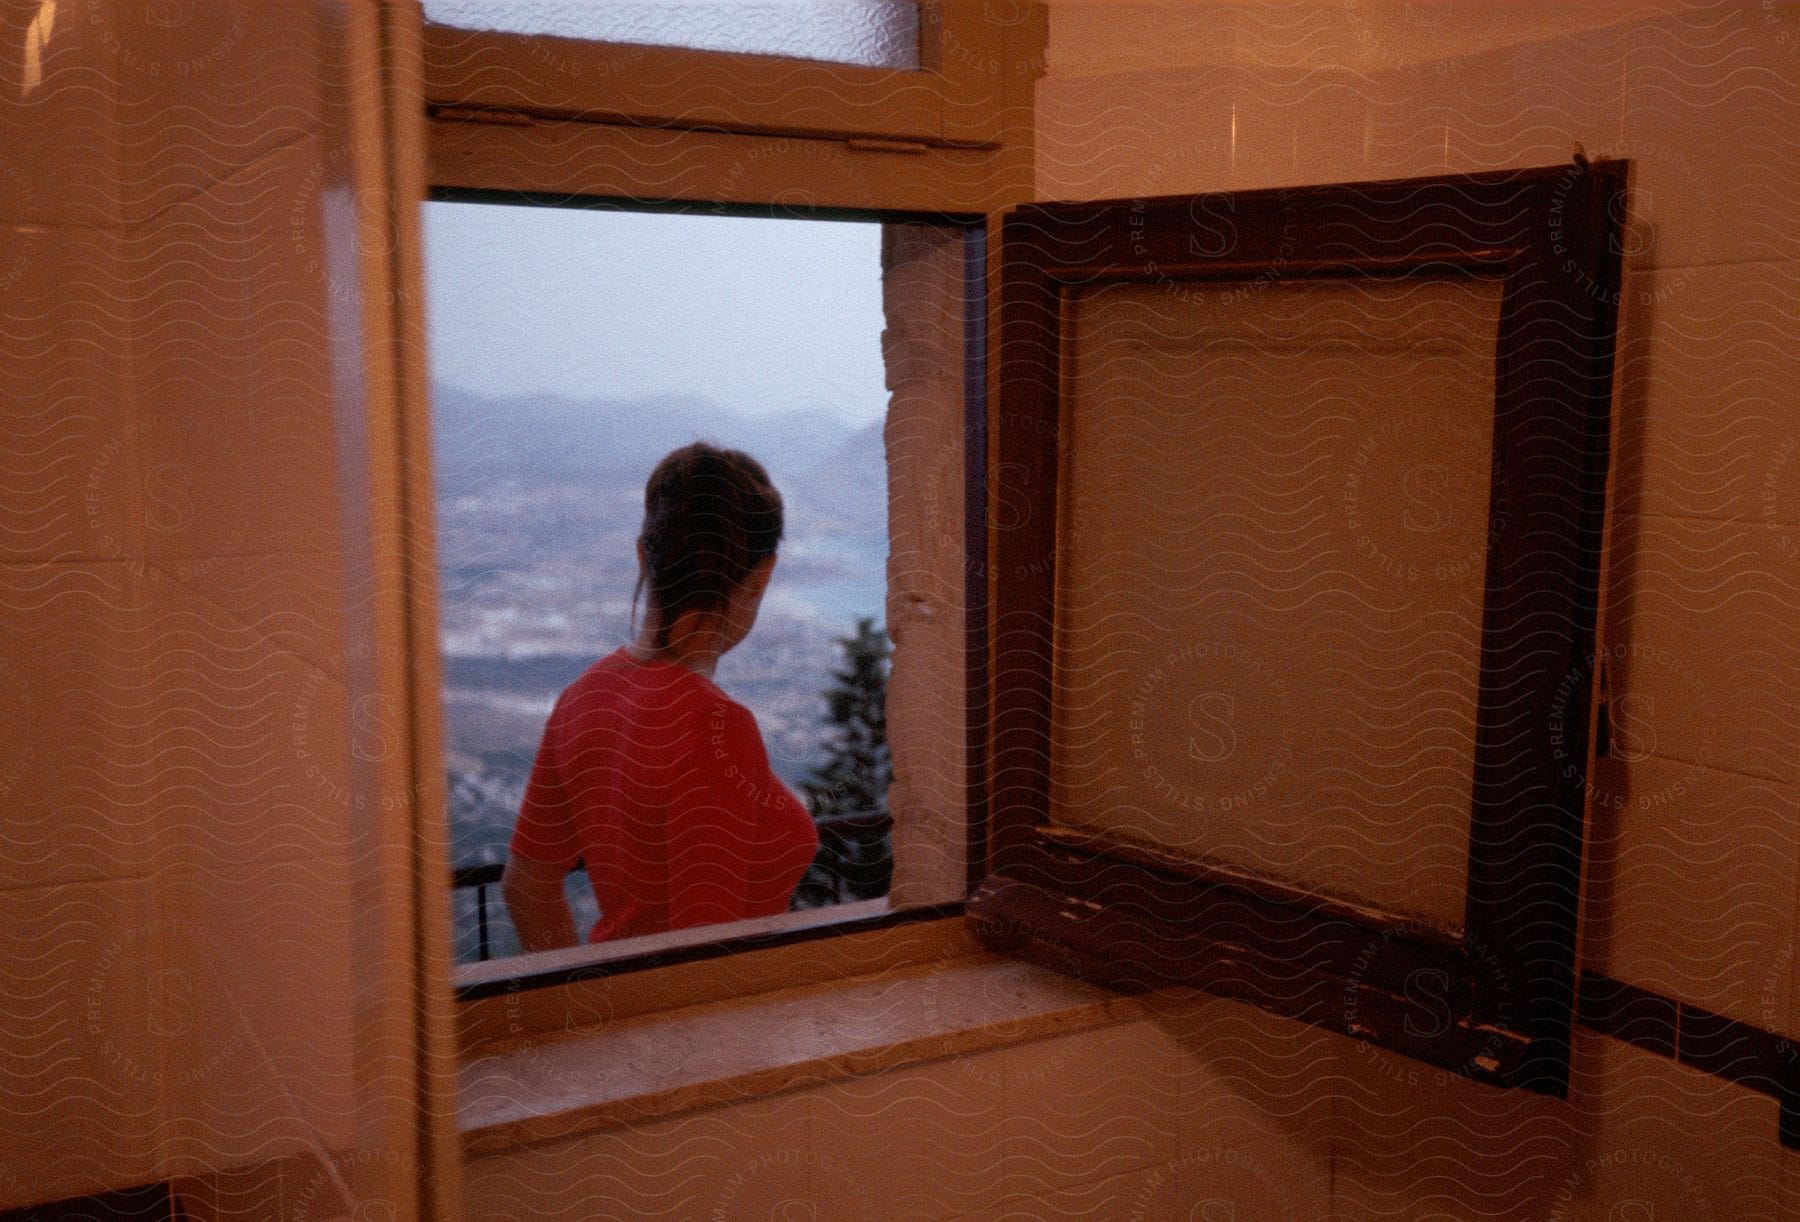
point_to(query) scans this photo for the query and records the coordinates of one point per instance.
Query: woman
(648, 773)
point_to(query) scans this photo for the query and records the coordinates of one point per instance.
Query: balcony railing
(482, 877)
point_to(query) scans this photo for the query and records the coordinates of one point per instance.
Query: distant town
(539, 504)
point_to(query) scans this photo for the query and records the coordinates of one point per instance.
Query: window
(572, 348)
(1300, 510)
(923, 155)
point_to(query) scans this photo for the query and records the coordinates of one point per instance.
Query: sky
(761, 315)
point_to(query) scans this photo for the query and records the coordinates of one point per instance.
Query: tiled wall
(1208, 1109)
(1694, 859)
(174, 730)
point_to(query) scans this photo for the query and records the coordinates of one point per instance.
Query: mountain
(848, 485)
(559, 435)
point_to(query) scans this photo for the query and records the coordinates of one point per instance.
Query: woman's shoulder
(620, 681)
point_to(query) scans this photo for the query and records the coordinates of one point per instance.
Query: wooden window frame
(558, 121)
(533, 119)
(952, 99)
(511, 112)
(1495, 1002)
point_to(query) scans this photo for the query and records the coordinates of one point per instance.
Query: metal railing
(482, 877)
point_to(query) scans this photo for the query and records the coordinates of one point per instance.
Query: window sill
(489, 973)
(636, 1069)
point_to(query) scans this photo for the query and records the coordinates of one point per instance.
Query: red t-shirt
(659, 782)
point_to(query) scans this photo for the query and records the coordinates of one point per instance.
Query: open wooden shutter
(1298, 514)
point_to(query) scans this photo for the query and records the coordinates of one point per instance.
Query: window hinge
(864, 145)
(477, 114)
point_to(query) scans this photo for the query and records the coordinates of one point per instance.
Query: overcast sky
(759, 315)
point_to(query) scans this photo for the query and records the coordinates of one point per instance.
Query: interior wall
(192, 754)
(1693, 839)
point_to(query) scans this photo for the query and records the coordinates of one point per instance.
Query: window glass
(570, 350)
(870, 33)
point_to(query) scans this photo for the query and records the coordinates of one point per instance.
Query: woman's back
(659, 782)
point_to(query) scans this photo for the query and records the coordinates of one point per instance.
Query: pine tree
(853, 862)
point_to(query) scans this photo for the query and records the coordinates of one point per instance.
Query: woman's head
(712, 519)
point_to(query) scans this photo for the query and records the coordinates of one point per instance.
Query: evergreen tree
(853, 862)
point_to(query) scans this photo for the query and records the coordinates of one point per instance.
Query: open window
(1295, 554)
(574, 342)
(921, 144)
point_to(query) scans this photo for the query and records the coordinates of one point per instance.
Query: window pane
(871, 33)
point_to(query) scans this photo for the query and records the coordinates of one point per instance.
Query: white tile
(58, 115)
(1691, 885)
(68, 453)
(1249, 1075)
(1097, 138)
(1500, 108)
(1414, 109)
(262, 987)
(923, 1141)
(74, 684)
(745, 1162)
(1238, 1183)
(242, 1194)
(1712, 119)
(207, 87)
(1566, 90)
(1709, 414)
(1267, 1182)
(1293, 35)
(1666, 1141)
(1089, 1105)
(1294, 126)
(1416, 1142)
(237, 433)
(81, 1070)
(1459, 114)
(251, 747)
(1701, 639)
(1790, 1197)
(349, 1181)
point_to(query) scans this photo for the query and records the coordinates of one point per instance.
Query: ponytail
(711, 515)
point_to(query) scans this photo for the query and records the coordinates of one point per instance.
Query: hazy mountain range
(812, 455)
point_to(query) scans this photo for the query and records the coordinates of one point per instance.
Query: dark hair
(710, 516)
